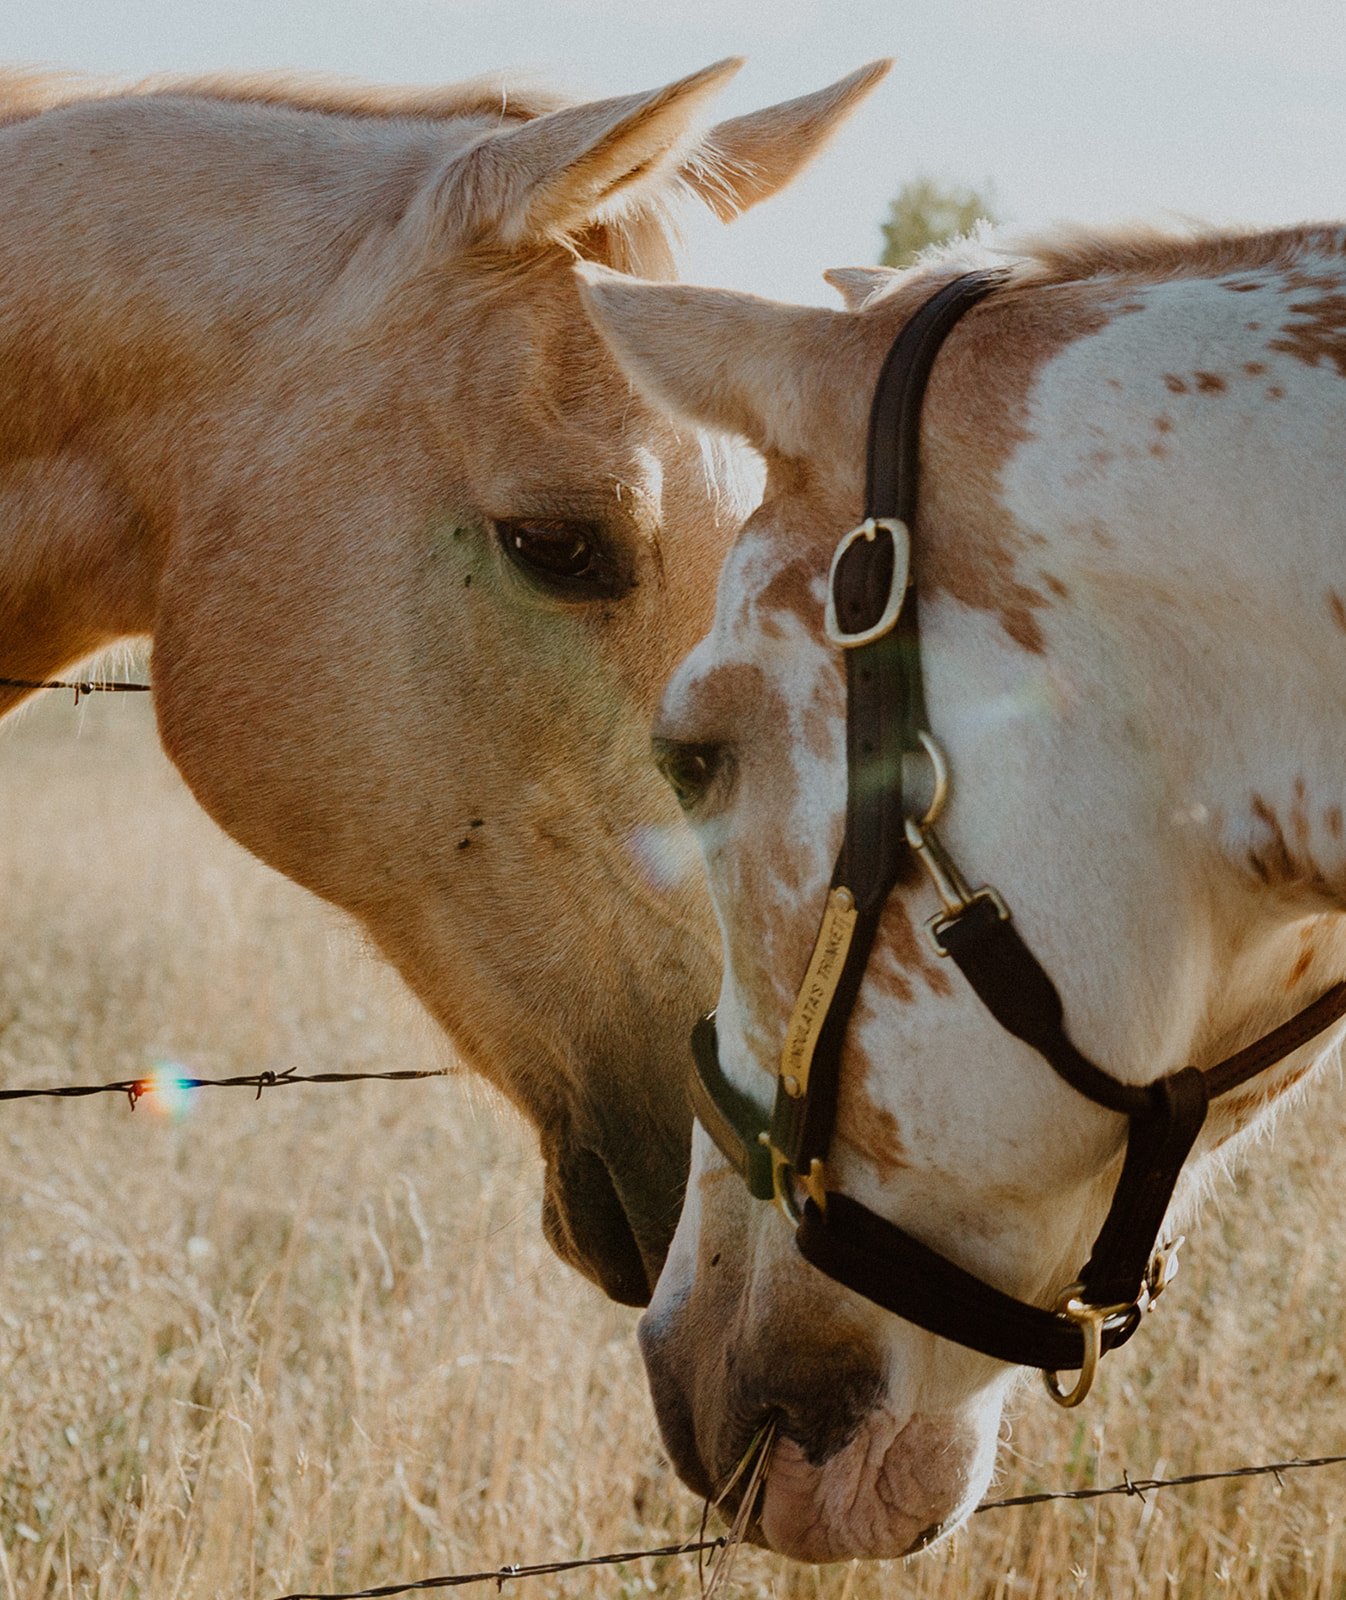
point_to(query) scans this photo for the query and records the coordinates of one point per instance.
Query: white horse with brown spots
(1131, 548)
(294, 381)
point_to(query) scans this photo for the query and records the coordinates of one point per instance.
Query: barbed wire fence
(81, 686)
(1137, 1488)
(163, 1082)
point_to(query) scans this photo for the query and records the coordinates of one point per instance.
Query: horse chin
(587, 1225)
(892, 1489)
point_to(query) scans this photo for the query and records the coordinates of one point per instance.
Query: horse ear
(750, 158)
(725, 360)
(855, 285)
(556, 174)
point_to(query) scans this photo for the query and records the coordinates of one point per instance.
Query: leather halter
(897, 784)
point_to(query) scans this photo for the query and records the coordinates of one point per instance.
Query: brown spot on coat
(1318, 335)
(1243, 1106)
(1174, 383)
(790, 588)
(1271, 861)
(1056, 586)
(1254, 369)
(905, 955)
(1333, 818)
(1210, 383)
(1338, 609)
(1304, 960)
(1275, 392)
(1299, 817)
(868, 1128)
(980, 412)
(1164, 424)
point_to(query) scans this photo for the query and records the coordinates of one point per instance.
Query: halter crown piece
(897, 784)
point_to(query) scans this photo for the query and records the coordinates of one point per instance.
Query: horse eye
(688, 769)
(551, 548)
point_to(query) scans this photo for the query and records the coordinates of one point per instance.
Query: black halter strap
(896, 783)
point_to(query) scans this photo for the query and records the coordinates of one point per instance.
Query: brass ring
(1091, 1329)
(940, 767)
(1090, 1321)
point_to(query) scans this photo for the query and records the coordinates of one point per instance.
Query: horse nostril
(688, 769)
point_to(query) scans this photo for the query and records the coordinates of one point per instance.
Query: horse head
(414, 557)
(1073, 615)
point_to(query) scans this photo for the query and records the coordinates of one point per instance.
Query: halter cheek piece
(896, 787)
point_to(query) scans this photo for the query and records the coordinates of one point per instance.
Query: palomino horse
(296, 383)
(1131, 546)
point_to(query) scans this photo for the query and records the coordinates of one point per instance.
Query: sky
(1221, 110)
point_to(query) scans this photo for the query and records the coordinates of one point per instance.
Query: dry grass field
(249, 1348)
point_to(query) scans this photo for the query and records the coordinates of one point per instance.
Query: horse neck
(1171, 544)
(1183, 484)
(155, 255)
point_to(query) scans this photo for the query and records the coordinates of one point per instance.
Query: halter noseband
(897, 784)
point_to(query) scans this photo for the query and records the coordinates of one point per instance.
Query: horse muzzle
(592, 1219)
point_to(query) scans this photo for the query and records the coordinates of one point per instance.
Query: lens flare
(166, 1092)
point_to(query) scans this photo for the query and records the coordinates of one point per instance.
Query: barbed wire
(500, 1576)
(136, 1089)
(81, 686)
(1138, 1488)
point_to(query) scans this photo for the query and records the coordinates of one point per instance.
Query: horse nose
(710, 1401)
(688, 769)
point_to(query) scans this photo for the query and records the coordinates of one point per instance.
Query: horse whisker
(755, 1461)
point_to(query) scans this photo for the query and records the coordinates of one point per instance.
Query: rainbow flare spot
(167, 1091)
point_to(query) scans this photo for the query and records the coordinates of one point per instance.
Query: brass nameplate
(816, 991)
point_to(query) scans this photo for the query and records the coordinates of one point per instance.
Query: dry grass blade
(755, 1462)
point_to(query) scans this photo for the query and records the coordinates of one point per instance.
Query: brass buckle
(897, 589)
(784, 1177)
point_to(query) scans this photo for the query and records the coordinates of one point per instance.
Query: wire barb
(1140, 1487)
(500, 1576)
(81, 686)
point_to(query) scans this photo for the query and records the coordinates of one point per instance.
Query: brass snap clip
(897, 588)
(956, 896)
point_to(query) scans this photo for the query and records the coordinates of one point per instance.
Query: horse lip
(586, 1224)
(924, 1538)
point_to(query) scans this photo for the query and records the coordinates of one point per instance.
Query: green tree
(926, 213)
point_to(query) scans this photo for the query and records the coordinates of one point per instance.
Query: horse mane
(1132, 252)
(28, 92)
(1139, 252)
(644, 242)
